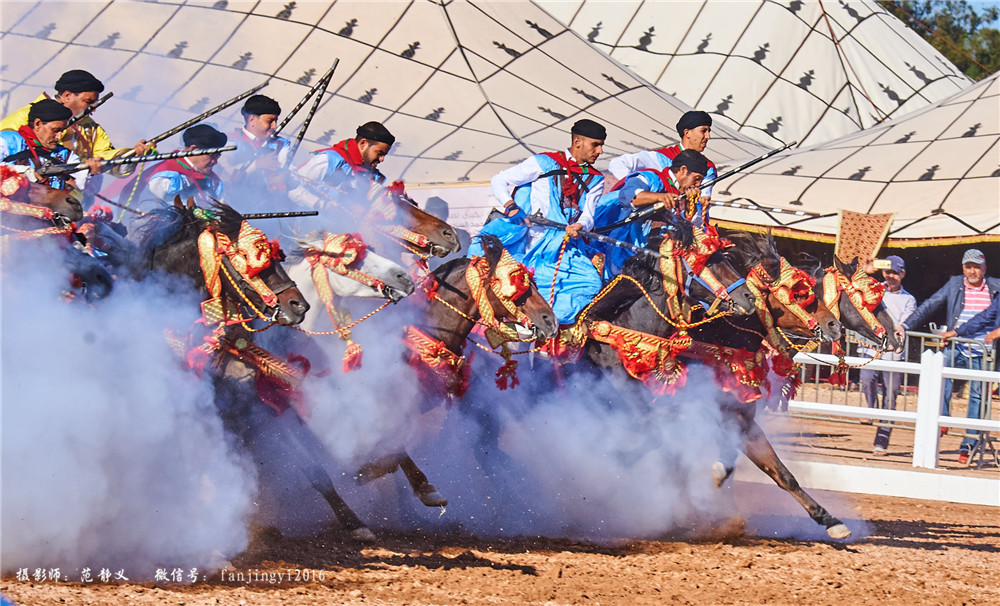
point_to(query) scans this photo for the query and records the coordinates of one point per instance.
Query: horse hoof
(363, 535)
(839, 531)
(720, 473)
(433, 499)
(430, 497)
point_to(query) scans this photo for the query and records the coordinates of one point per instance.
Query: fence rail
(927, 419)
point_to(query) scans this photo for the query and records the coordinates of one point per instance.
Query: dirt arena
(904, 552)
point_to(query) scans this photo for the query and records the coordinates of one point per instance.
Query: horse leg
(306, 453)
(759, 450)
(428, 495)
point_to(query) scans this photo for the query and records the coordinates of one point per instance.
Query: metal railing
(919, 405)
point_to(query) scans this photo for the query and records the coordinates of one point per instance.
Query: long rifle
(198, 118)
(50, 170)
(281, 215)
(543, 222)
(312, 112)
(326, 77)
(640, 215)
(89, 110)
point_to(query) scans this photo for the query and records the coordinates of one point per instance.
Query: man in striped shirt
(966, 296)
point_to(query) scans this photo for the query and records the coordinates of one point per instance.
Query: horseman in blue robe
(346, 171)
(561, 186)
(694, 129)
(33, 145)
(671, 186)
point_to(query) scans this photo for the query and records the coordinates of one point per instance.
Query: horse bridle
(864, 293)
(246, 257)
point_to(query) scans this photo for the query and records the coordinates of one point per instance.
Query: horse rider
(257, 164)
(694, 129)
(562, 186)
(77, 90)
(348, 168)
(190, 177)
(674, 186)
(37, 142)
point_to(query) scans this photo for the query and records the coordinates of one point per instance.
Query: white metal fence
(926, 419)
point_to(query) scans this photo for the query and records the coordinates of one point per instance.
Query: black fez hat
(78, 81)
(48, 110)
(204, 136)
(693, 119)
(260, 105)
(695, 162)
(589, 128)
(374, 131)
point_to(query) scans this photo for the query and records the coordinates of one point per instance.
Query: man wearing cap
(562, 186)
(964, 296)
(190, 177)
(642, 188)
(900, 305)
(77, 90)
(694, 129)
(37, 142)
(257, 164)
(349, 168)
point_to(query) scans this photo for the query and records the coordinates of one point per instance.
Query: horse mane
(752, 249)
(811, 265)
(492, 248)
(169, 225)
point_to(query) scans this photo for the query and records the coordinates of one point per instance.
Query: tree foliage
(962, 24)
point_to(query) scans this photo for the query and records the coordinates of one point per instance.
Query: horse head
(395, 214)
(513, 298)
(711, 278)
(791, 302)
(40, 200)
(349, 267)
(227, 257)
(786, 296)
(856, 298)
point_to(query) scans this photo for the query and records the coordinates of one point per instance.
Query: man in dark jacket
(966, 296)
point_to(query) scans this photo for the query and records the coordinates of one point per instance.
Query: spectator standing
(900, 305)
(965, 296)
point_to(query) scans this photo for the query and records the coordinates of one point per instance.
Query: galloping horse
(33, 210)
(494, 291)
(790, 308)
(236, 267)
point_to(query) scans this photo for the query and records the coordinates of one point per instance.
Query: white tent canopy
(937, 169)
(806, 71)
(467, 87)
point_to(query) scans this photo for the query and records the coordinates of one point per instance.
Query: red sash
(571, 186)
(351, 153)
(31, 140)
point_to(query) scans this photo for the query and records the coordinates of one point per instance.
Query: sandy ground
(903, 552)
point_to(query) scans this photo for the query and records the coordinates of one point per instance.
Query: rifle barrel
(61, 169)
(281, 215)
(308, 120)
(218, 108)
(326, 77)
(89, 110)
